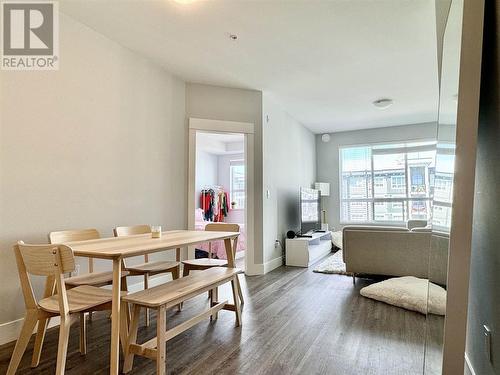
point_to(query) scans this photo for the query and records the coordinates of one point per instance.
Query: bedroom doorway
(220, 188)
(220, 191)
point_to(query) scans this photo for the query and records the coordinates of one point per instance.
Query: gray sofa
(394, 251)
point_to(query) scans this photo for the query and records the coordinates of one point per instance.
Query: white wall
(289, 155)
(207, 172)
(99, 143)
(328, 156)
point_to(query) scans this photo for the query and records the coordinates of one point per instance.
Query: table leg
(115, 318)
(229, 253)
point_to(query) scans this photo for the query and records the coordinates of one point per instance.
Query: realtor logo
(30, 35)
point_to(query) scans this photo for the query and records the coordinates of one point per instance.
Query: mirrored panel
(442, 187)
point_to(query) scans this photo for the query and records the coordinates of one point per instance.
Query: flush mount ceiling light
(383, 103)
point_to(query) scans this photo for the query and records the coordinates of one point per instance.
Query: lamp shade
(323, 187)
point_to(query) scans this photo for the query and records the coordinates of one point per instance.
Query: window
(386, 183)
(237, 193)
(398, 182)
(443, 186)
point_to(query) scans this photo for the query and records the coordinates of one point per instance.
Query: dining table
(116, 249)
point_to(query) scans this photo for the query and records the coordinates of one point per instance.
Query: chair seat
(153, 267)
(94, 279)
(81, 298)
(205, 262)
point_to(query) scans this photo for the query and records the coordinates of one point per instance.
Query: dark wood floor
(294, 322)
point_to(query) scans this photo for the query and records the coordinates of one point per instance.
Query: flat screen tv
(310, 214)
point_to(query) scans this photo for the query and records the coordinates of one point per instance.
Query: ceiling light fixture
(233, 36)
(383, 103)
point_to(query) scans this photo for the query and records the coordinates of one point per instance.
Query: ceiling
(220, 143)
(324, 61)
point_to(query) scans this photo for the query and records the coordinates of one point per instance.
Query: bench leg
(236, 298)
(185, 272)
(175, 275)
(146, 286)
(240, 293)
(132, 339)
(161, 345)
(83, 334)
(214, 296)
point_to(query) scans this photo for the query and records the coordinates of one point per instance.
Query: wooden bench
(171, 294)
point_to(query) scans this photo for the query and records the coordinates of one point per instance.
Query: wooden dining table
(118, 248)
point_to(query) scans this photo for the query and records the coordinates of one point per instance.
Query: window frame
(407, 146)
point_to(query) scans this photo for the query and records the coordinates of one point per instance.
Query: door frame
(222, 126)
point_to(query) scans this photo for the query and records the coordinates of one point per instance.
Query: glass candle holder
(156, 231)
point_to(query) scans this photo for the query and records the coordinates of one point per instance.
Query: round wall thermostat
(325, 138)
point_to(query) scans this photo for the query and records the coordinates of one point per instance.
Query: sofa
(395, 251)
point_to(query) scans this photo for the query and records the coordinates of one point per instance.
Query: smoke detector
(383, 103)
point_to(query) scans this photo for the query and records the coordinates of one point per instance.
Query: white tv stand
(303, 251)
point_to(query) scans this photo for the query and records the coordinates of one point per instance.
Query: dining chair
(52, 262)
(206, 263)
(147, 268)
(92, 278)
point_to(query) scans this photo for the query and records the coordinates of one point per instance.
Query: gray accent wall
(484, 292)
(327, 156)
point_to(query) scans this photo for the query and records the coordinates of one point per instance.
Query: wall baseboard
(273, 264)
(263, 268)
(469, 370)
(9, 331)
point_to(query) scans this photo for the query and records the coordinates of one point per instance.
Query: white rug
(333, 265)
(410, 293)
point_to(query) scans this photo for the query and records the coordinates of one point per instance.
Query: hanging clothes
(215, 204)
(207, 204)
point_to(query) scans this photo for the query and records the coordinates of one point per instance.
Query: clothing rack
(214, 202)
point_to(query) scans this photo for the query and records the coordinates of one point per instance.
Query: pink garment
(218, 249)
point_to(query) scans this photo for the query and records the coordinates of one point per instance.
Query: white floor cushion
(410, 293)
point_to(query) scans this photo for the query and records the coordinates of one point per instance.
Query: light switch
(268, 193)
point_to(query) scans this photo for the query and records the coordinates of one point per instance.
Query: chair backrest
(130, 231)
(75, 235)
(50, 260)
(222, 227)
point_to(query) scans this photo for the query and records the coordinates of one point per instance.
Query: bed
(218, 249)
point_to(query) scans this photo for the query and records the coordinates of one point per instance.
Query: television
(310, 211)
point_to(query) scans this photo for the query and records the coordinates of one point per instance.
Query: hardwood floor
(294, 322)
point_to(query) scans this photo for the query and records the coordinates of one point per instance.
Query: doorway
(220, 185)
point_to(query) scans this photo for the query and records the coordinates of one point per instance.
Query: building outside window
(387, 182)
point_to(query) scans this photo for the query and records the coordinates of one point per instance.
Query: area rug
(409, 292)
(332, 265)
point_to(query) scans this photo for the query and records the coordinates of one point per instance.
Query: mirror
(443, 183)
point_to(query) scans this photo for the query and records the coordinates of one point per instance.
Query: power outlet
(487, 342)
(277, 244)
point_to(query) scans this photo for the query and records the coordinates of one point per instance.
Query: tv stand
(303, 251)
